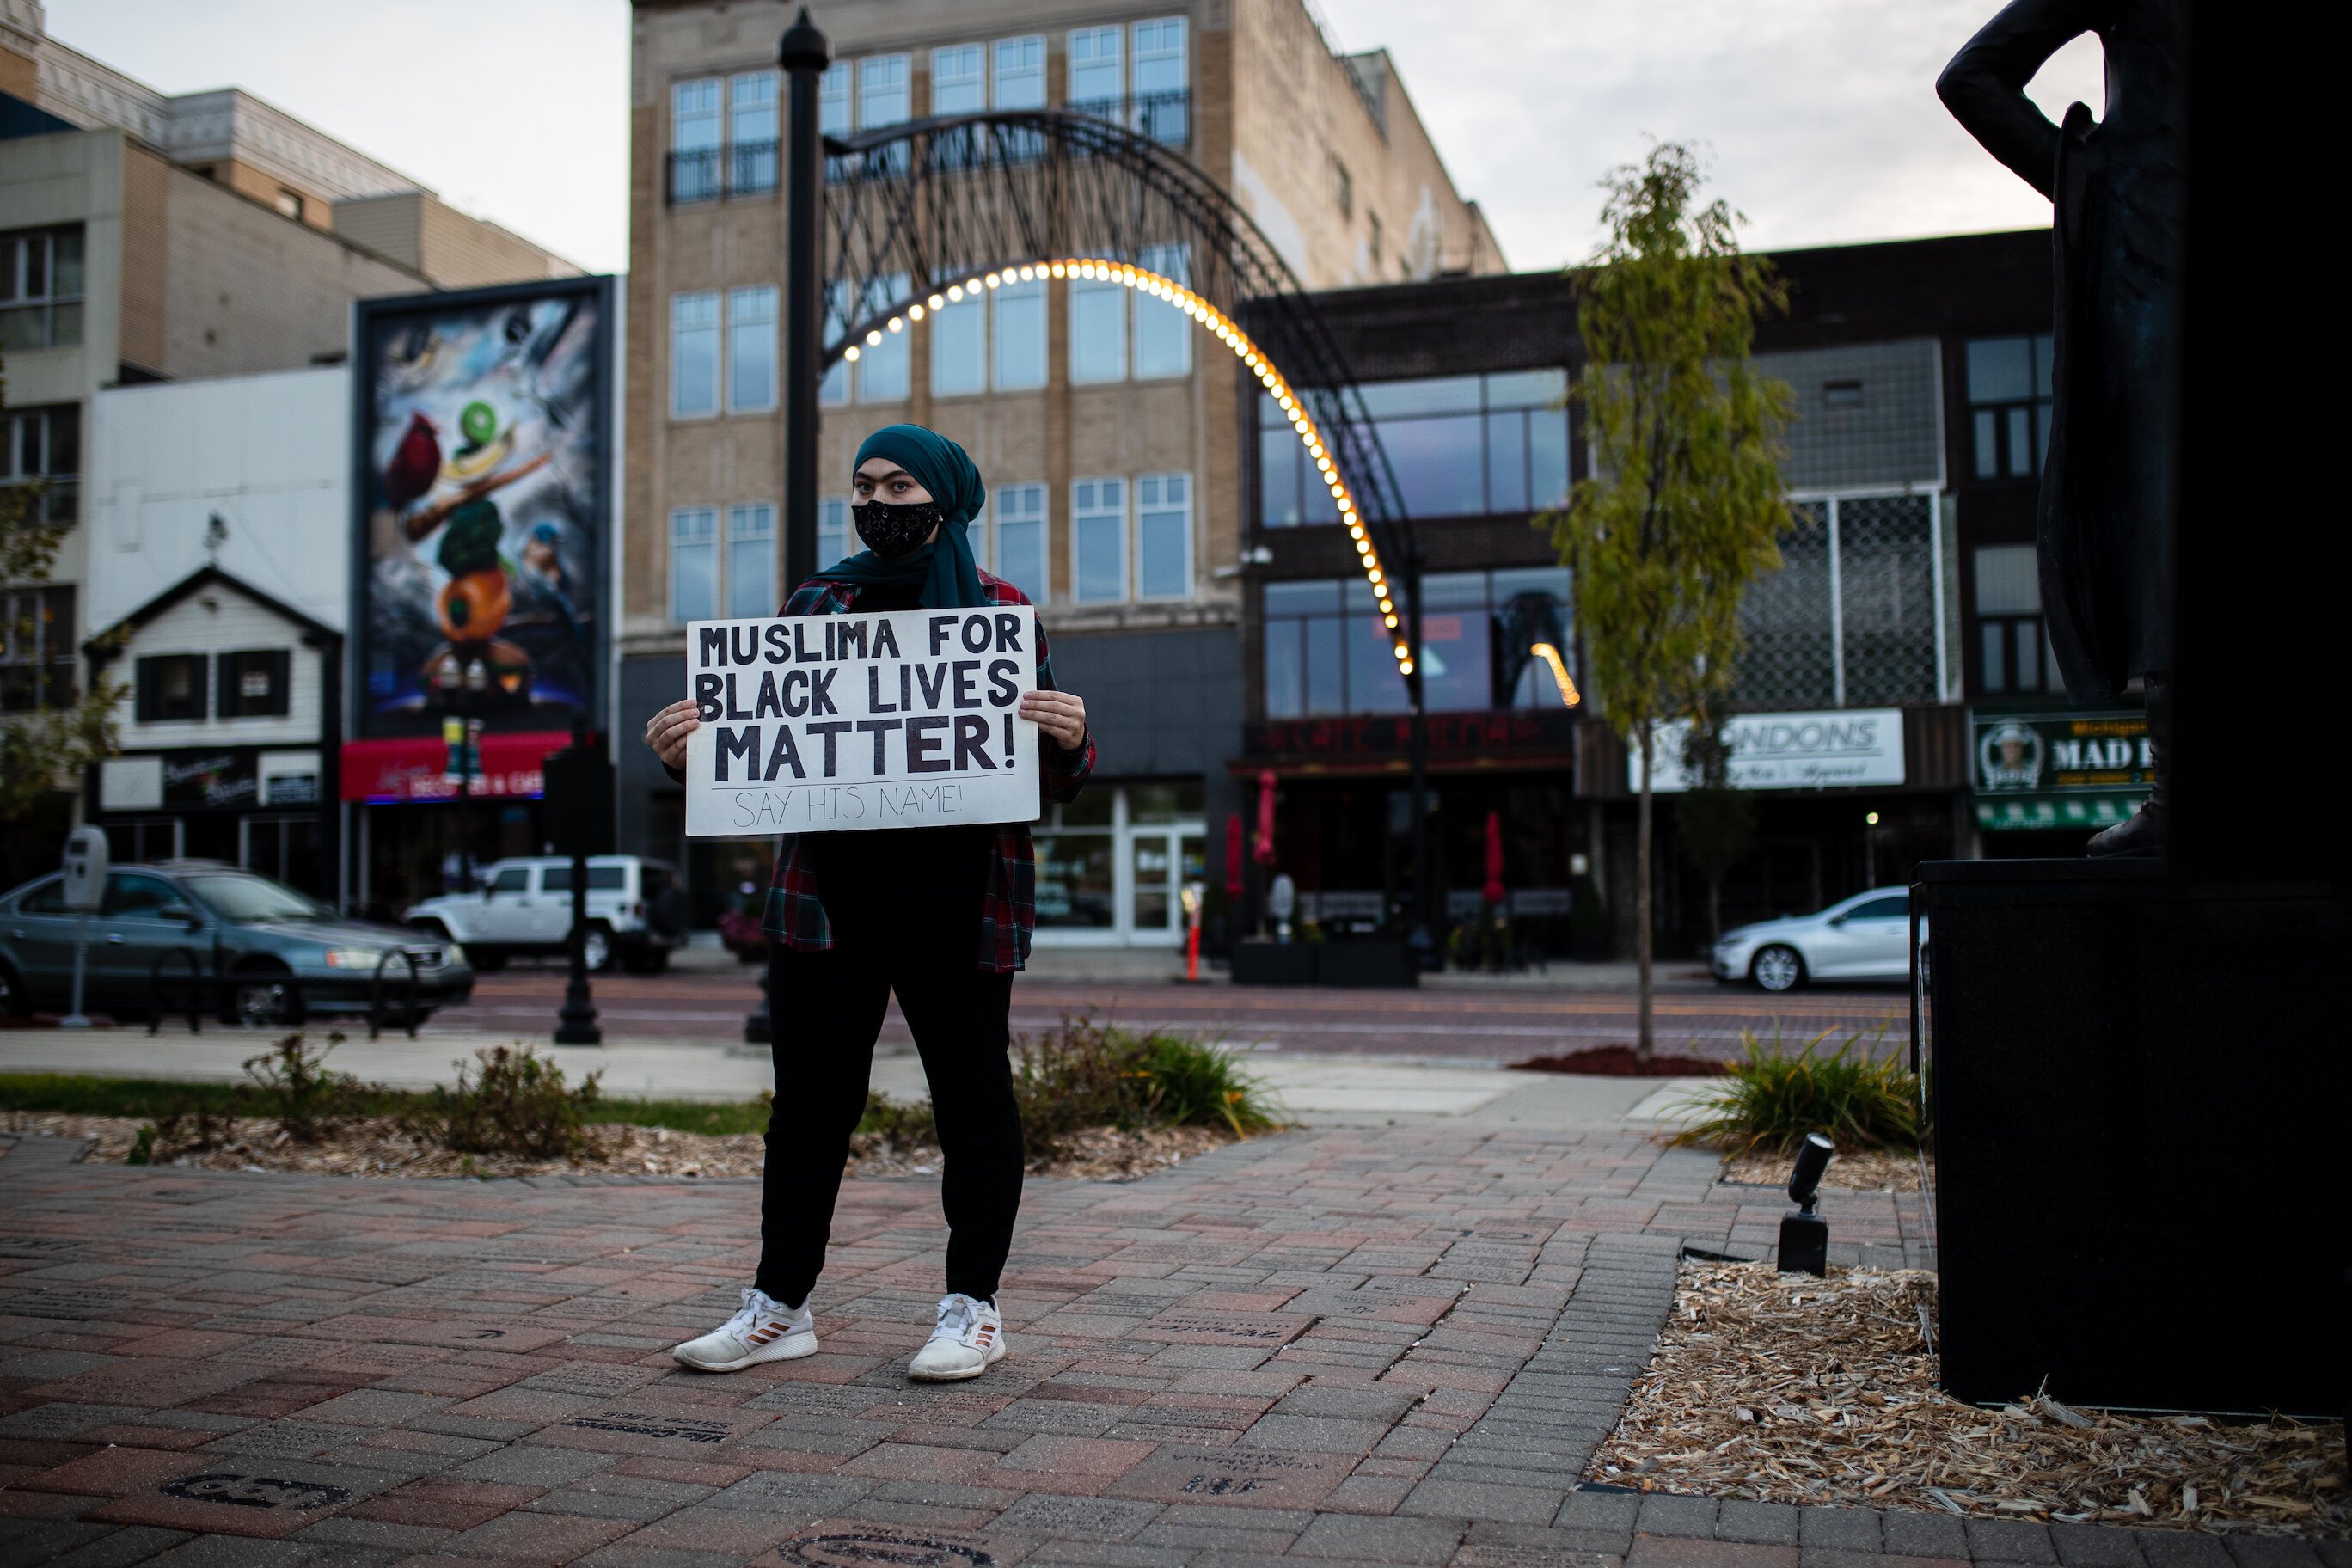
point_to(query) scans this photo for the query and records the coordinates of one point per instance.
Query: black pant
(827, 1008)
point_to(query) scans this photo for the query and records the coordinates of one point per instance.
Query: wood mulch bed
(1620, 1061)
(1863, 1170)
(1786, 1388)
(377, 1146)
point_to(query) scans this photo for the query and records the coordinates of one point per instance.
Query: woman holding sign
(942, 916)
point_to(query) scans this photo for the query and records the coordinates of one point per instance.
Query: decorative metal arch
(920, 214)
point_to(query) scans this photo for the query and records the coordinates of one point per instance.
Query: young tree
(1684, 504)
(47, 735)
(1714, 823)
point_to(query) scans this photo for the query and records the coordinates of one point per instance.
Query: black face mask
(891, 532)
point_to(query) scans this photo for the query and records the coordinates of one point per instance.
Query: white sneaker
(763, 1331)
(968, 1340)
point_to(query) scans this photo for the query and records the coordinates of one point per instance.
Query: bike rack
(375, 997)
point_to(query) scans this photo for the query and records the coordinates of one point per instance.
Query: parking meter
(85, 868)
(84, 890)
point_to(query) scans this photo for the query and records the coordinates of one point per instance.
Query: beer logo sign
(2009, 757)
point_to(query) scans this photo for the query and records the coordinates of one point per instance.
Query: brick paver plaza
(1396, 1346)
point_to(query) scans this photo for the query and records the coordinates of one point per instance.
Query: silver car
(1865, 937)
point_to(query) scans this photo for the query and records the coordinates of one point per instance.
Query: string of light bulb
(1226, 332)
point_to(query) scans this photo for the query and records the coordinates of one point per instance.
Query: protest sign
(830, 723)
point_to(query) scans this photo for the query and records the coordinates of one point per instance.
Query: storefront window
(1075, 845)
(1464, 446)
(1489, 640)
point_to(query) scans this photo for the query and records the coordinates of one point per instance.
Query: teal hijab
(944, 570)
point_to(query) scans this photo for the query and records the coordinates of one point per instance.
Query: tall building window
(1163, 536)
(694, 140)
(751, 561)
(884, 368)
(959, 347)
(254, 683)
(1162, 80)
(833, 541)
(833, 100)
(1097, 331)
(1019, 335)
(1018, 513)
(289, 204)
(43, 446)
(694, 564)
(1489, 640)
(1099, 541)
(40, 289)
(1372, 237)
(751, 131)
(1098, 73)
(1163, 334)
(1460, 446)
(959, 82)
(2013, 643)
(2009, 404)
(834, 389)
(885, 91)
(750, 349)
(1345, 188)
(37, 648)
(1017, 80)
(694, 355)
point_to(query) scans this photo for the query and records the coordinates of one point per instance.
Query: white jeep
(635, 912)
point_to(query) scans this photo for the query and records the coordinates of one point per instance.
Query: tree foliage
(45, 744)
(1714, 824)
(1684, 504)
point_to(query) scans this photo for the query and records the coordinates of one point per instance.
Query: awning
(2026, 813)
(416, 767)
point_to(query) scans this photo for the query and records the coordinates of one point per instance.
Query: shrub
(1082, 1074)
(192, 1126)
(1770, 1099)
(905, 1127)
(306, 1097)
(516, 1103)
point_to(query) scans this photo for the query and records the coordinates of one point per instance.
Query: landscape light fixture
(1805, 1235)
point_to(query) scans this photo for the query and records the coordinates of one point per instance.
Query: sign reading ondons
(827, 723)
(1846, 746)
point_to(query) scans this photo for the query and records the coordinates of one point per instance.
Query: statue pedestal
(2139, 1087)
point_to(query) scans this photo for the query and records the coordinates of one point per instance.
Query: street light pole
(477, 681)
(803, 54)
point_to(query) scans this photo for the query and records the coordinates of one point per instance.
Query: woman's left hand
(1059, 714)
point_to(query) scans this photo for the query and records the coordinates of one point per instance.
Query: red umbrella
(1266, 818)
(1233, 856)
(1493, 891)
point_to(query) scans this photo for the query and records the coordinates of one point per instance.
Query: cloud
(1820, 116)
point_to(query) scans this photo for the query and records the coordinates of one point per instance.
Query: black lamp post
(803, 53)
(461, 688)
(1421, 937)
(579, 792)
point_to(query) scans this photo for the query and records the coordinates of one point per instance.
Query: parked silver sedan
(1865, 937)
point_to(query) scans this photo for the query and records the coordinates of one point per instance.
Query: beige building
(1111, 437)
(146, 237)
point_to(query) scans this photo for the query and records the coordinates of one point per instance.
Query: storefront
(244, 805)
(416, 818)
(1112, 866)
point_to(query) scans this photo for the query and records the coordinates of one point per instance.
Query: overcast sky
(1820, 115)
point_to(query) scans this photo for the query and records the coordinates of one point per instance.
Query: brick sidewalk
(1394, 1347)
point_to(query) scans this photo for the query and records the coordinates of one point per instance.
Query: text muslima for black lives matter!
(821, 723)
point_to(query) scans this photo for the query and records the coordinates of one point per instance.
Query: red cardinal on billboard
(416, 463)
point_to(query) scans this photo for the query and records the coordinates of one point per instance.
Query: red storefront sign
(415, 767)
(1518, 738)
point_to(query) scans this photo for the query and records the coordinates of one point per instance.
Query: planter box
(1342, 963)
(2139, 1090)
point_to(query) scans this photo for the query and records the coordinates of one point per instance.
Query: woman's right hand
(666, 731)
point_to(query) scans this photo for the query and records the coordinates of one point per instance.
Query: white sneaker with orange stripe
(966, 1342)
(764, 1330)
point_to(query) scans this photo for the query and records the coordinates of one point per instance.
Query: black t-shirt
(882, 876)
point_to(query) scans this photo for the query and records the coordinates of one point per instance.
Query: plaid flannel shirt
(795, 914)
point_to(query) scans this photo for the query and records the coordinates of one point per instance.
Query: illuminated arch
(925, 213)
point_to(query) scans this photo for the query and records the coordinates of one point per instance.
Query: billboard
(484, 451)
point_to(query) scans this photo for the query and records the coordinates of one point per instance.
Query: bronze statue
(2117, 188)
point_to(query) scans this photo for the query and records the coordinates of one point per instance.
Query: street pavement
(1504, 1021)
(1385, 1345)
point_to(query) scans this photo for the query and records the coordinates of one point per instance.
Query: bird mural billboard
(485, 449)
